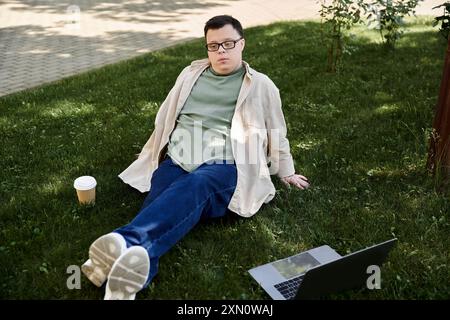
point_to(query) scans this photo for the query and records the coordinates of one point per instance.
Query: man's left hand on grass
(297, 180)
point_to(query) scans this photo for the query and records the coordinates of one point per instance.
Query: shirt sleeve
(280, 158)
(171, 96)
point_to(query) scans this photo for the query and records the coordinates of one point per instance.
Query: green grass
(361, 137)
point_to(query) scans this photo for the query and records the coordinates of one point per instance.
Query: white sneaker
(128, 274)
(103, 252)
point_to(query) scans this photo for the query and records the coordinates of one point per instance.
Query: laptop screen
(295, 265)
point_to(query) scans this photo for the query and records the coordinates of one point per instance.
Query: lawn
(360, 136)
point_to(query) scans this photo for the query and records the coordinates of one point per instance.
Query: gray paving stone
(34, 44)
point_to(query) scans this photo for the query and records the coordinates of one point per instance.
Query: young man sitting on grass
(218, 137)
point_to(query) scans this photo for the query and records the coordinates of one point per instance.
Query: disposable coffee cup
(85, 187)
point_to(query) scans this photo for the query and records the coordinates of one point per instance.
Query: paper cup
(85, 187)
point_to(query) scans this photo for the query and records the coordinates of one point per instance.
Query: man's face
(225, 61)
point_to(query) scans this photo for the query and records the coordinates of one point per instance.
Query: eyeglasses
(227, 45)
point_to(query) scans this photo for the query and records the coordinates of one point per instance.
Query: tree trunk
(439, 151)
(330, 65)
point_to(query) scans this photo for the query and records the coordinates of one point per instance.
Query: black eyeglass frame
(221, 44)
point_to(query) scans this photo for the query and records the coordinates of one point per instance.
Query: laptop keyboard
(289, 288)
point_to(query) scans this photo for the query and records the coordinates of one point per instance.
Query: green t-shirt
(202, 133)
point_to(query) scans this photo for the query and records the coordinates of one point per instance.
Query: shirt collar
(204, 63)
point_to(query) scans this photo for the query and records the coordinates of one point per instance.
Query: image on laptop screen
(293, 266)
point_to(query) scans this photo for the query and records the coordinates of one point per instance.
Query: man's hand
(297, 180)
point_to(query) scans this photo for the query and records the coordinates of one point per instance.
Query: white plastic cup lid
(85, 183)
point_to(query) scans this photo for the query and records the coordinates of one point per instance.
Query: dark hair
(218, 22)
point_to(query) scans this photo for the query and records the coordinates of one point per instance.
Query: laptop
(320, 271)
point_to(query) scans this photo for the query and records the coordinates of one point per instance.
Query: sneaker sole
(103, 252)
(128, 274)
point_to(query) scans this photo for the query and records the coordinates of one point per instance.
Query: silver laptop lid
(275, 272)
(351, 271)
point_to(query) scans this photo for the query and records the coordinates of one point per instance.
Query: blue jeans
(175, 204)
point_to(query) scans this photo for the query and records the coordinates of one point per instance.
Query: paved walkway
(46, 40)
